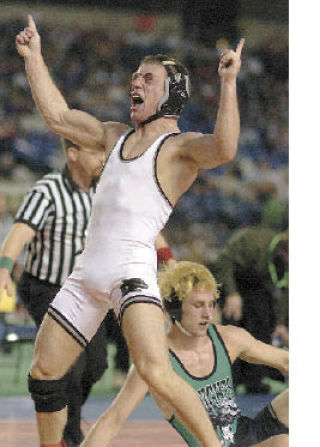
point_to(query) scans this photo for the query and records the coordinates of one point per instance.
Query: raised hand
(28, 41)
(230, 62)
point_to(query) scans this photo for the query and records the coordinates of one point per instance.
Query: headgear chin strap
(173, 306)
(176, 93)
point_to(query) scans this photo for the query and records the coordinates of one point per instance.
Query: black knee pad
(48, 395)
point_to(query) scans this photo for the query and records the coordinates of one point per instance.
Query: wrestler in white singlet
(129, 211)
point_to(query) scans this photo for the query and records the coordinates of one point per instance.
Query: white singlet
(129, 211)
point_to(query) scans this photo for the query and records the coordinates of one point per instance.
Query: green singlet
(216, 393)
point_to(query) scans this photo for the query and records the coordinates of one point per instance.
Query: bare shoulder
(230, 332)
(236, 339)
(179, 144)
(184, 137)
(113, 132)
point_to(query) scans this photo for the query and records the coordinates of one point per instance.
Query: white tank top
(129, 210)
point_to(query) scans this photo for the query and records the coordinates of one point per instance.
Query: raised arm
(110, 422)
(75, 125)
(209, 151)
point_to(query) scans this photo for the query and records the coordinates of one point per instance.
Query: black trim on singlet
(181, 434)
(174, 134)
(195, 377)
(67, 326)
(223, 344)
(137, 299)
(122, 145)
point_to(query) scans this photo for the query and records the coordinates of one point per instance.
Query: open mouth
(136, 99)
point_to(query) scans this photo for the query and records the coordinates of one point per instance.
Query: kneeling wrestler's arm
(110, 422)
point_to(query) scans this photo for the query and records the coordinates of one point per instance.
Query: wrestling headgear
(176, 88)
(173, 305)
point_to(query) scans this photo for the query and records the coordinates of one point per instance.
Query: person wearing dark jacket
(252, 269)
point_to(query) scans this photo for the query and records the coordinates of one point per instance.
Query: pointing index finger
(240, 46)
(31, 23)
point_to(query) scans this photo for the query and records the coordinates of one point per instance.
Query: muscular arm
(240, 343)
(77, 126)
(74, 125)
(209, 151)
(111, 421)
(19, 235)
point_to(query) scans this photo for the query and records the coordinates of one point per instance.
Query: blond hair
(181, 279)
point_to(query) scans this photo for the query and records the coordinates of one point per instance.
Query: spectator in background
(253, 272)
(52, 220)
(7, 134)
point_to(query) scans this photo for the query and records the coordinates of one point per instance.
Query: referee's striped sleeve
(33, 210)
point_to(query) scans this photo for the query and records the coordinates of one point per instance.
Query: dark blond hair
(181, 279)
(161, 58)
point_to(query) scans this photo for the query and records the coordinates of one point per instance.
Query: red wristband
(164, 254)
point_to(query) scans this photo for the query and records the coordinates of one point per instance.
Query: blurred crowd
(93, 69)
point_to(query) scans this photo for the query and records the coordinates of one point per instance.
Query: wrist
(229, 83)
(6, 263)
(33, 59)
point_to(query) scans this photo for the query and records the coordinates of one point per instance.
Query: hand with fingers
(28, 40)
(230, 62)
(233, 307)
(5, 282)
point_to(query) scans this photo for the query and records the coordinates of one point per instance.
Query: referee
(52, 220)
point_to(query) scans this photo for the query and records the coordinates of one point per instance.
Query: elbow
(286, 370)
(226, 149)
(54, 123)
(56, 119)
(228, 154)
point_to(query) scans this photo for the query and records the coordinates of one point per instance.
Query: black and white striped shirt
(59, 213)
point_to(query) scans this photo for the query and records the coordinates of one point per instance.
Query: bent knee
(41, 370)
(44, 369)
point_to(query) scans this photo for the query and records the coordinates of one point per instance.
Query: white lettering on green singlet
(219, 401)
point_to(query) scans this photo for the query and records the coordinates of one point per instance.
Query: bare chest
(198, 363)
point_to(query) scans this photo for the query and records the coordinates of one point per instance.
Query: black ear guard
(176, 93)
(173, 307)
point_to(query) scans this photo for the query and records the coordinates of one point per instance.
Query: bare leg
(275, 441)
(143, 327)
(280, 405)
(55, 351)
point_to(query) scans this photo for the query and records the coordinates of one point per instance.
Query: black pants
(114, 334)
(36, 295)
(264, 426)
